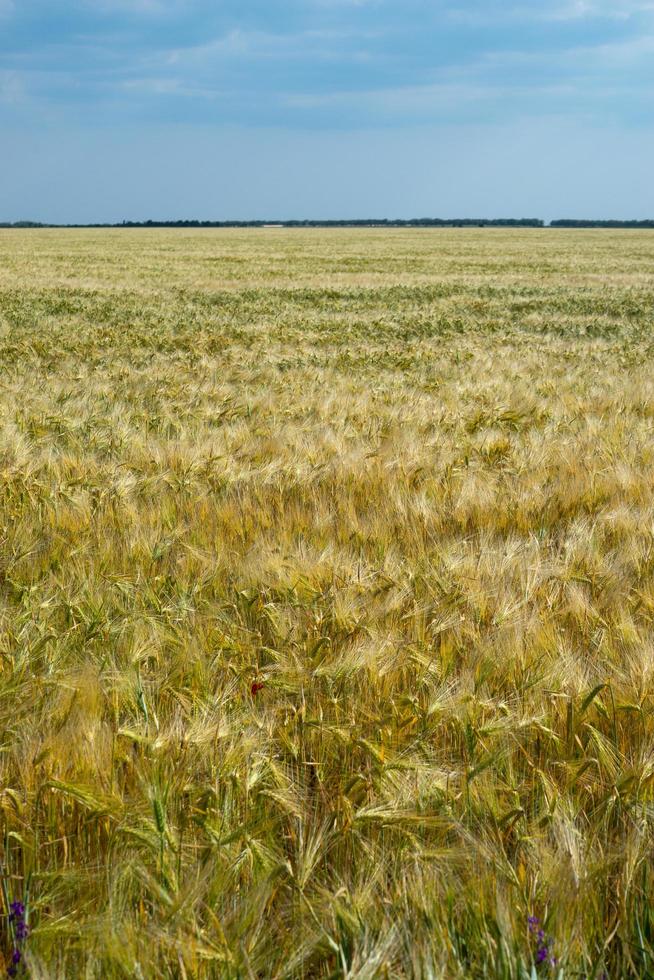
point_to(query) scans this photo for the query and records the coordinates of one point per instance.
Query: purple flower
(543, 943)
(21, 932)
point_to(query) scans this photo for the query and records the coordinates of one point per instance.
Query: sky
(238, 109)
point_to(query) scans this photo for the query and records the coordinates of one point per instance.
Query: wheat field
(327, 603)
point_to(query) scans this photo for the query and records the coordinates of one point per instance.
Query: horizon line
(340, 222)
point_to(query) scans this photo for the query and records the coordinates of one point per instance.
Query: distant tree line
(309, 223)
(585, 223)
(23, 224)
(357, 223)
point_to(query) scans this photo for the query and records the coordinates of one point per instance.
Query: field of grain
(327, 603)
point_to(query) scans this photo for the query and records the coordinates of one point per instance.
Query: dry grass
(402, 483)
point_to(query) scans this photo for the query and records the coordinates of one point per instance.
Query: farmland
(326, 602)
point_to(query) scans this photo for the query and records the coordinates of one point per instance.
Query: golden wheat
(326, 602)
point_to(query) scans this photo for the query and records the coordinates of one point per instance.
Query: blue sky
(113, 109)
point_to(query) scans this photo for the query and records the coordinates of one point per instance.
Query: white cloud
(12, 87)
(605, 56)
(139, 7)
(441, 98)
(237, 44)
(613, 9)
(168, 87)
(554, 10)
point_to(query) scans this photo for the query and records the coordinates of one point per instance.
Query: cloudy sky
(113, 109)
